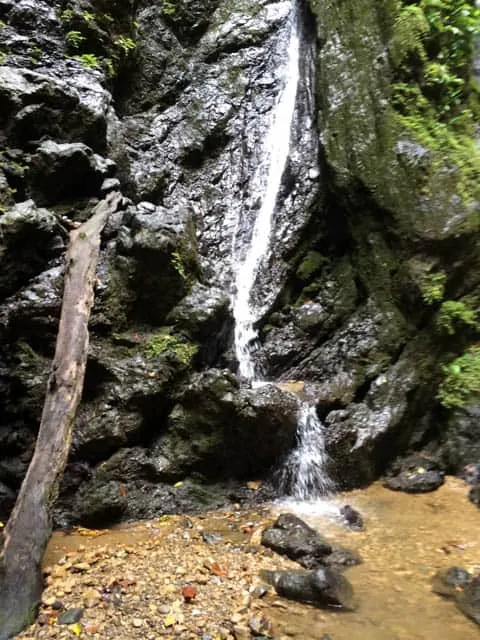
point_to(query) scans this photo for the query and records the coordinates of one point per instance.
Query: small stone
(164, 609)
(70, 616)
(137, 623)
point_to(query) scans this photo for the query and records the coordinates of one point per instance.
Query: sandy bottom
(406, 540)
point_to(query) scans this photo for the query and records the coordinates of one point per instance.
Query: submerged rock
(323, 587)
(447, 582)
(415, 474)
(468, 600)
(474, 494)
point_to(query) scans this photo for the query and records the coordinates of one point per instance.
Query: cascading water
(303, 476)
(267, 181)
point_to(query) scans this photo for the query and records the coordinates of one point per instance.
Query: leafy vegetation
(89, 60)
(455, 315)
(163, 342)
(433, 287)
(436, 100)
(461, 379)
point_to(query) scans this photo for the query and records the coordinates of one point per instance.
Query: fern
(409, 30)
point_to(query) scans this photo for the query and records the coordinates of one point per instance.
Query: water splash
(267, 180)
(304, 475)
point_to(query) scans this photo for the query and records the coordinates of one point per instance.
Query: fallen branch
(29, 527)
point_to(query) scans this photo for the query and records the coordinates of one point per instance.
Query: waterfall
(267, 180)
(303, 475)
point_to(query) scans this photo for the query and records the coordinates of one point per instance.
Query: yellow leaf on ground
(76, 628)
(170, 620)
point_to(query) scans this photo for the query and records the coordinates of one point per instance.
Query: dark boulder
(323, 587)
(29, 238)
(66, 171)
(294, 538)
(159, 248)
(460, 445)
(414, 474)
(213, 416)
(204, 316)
(468, 600)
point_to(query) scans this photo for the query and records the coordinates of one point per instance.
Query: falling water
(304, 475)
(269, 178)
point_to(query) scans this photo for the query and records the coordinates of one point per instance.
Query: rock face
(172, 107)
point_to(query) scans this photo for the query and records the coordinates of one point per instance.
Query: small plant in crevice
(461, 379)
(433, 287)
(164, 342)
(177, 263)
(75, 38)
(89, 60)
(455, 315)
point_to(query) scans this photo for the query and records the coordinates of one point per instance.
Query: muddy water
(407, 539)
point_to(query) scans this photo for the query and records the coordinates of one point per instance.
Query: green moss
(311, 264)
(461, 379)
(164, 342)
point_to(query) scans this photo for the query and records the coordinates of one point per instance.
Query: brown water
(407, 539)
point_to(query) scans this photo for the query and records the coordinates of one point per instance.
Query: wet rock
(204, 316)
(448, 582)
(474, 494)
(461, 437)
(468, 600)
(99, 504)
(294, 538)
(36, 105)
(214, 416)
(63, 172)
(29, 238)
(415, 474)
(70, 616)
(352, 518)
(341, 559)
(160, 247)
(322, 587)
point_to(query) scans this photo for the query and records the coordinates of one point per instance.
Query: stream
(406, 540)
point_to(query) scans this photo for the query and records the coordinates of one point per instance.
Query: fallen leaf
(216, 569)
(170, 620)
(254, 484)
(123, 490)
(76, 628)
(178, 484)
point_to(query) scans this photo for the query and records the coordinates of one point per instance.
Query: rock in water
(352, 518)
(294, 538)
(322, 587)
(447, 582)
(468, 600)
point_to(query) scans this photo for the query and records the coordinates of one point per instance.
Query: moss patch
(164, 342)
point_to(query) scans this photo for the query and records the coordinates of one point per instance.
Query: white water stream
(304, 475)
